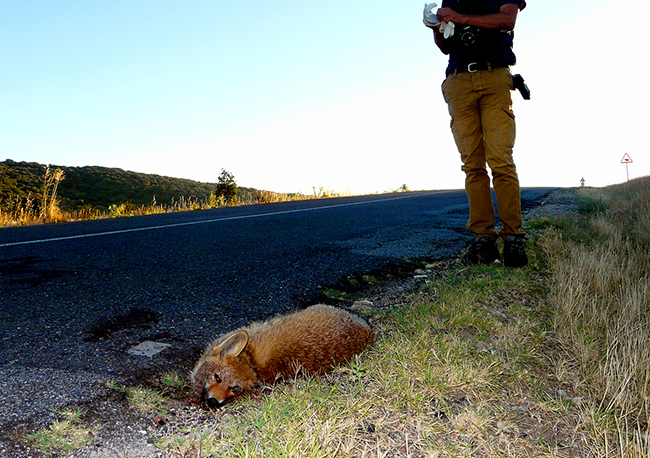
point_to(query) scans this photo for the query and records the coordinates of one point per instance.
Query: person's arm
(441, 41)
(503, 20)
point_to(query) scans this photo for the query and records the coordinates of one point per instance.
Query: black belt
(475, 67)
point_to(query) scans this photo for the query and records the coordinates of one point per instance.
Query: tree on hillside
(226, 187)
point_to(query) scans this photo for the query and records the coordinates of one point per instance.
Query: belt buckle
(469, 67)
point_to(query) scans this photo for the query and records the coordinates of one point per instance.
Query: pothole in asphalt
(136, 318)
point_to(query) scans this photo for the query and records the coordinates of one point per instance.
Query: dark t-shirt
(480, 45)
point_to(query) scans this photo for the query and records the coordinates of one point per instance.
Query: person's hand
(429, 17)
(447, 29)
(449, 15)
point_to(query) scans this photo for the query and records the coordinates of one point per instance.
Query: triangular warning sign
(626, 159)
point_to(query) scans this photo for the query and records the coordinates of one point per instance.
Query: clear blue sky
(292, 95)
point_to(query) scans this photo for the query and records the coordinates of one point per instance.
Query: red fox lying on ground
(314, 340)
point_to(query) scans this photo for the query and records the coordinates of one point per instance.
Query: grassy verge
(549, 360)
(459, 372)
(599, 290)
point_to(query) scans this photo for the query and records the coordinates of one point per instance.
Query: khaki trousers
(483, 125)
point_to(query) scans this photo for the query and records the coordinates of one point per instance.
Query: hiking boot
(483, 250)
(514, 252)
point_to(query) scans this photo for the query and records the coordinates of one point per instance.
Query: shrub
(227, 187)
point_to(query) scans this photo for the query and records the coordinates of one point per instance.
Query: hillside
(101, 187)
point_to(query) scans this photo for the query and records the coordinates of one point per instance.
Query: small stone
(362, 306)
(503, 428)
(363, 302)
(148, 348)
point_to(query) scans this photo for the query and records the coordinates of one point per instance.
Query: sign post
(626, 160)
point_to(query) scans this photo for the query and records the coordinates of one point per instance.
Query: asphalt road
(75, 297)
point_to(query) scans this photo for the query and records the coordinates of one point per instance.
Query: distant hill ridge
(100, 187)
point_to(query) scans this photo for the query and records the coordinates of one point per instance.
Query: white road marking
(209, 221)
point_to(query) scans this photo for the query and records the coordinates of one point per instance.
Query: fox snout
(208, 400)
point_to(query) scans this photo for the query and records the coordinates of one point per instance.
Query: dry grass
(42, 208)
(29, 210)
(45, 206)
(599, 291)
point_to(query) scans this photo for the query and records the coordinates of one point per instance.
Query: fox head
(225, 372)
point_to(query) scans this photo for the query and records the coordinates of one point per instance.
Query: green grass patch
(147, 399)
(174, 380)
(66, 434)
(335, 294)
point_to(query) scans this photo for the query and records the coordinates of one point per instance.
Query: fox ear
(234, 344)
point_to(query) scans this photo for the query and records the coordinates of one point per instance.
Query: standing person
(477, 35)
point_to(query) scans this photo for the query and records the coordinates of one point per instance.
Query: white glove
(447, 29)
(429, 16)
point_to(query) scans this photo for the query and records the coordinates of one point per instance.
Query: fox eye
(217, 378)
(235, 389)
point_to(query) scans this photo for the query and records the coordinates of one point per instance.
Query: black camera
(519, 84)
(468, 35)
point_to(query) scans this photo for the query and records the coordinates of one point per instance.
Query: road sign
(626, 160)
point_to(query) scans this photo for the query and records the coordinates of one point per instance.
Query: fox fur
(312, 340)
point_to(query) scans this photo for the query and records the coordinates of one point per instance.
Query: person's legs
(464, 109)
(483, 126)
(499, 133)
